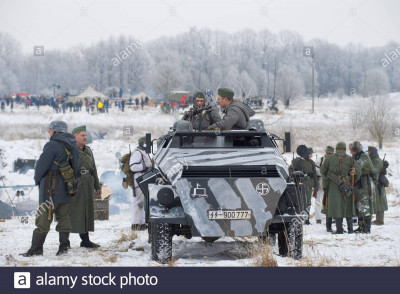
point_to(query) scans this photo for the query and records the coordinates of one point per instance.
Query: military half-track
(214, 184)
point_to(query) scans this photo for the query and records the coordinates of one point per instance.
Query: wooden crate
(101, 209)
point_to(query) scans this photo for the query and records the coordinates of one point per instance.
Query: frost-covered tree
(289, 84)
(375, 82)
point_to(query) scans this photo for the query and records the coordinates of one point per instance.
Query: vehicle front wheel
(161, 242)
(290, 240)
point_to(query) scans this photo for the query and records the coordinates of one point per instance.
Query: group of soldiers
(73, 214)
(73, 206)
(206, 117)
(353, 185)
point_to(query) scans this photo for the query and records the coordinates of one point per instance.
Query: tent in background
(89, 93)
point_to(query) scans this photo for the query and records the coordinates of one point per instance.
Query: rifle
(188, 115)
(352, 181)
(51, 187)
(384, 172)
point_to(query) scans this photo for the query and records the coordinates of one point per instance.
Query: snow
(23, 134)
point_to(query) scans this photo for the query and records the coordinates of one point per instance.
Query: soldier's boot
(86, 242)
(367, 227)
(307, 221)
(329, 225)
(37, 245)
(339, 226)
(361, 225)
(349, 225)
(63, 248)
(379, 218)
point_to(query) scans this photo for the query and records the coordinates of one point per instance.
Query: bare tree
(375, 82)
(378, 117)
(289, 84)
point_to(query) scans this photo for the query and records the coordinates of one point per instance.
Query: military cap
(79, 129)
(199, 95)
(372, 150)
(329, 149)
(310, 150)
(225, 92)
(341, 146)
(355, 146)
(142, 140)
(58, 126)
(302, 151)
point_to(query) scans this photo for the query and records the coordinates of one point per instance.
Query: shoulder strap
(340, 161)
(66, 151)
(141, 155)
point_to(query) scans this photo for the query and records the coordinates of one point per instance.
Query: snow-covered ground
(23, 134)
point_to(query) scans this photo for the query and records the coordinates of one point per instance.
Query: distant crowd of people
(62, 105)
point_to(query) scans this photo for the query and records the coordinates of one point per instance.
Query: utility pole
(274, 79)
(313, 90)
(308, 51)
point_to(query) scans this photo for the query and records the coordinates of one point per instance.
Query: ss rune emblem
(262, 188)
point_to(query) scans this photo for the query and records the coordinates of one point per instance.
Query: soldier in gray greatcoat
(237, 114)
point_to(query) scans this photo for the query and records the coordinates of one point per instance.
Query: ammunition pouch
(335, 178)
(67, 174)
(345, 189)
(343, 182)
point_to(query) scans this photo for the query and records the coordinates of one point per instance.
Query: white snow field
(23, 134)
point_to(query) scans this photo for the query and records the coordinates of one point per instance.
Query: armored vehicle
(214, 184)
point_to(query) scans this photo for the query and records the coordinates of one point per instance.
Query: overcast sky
(60, 24)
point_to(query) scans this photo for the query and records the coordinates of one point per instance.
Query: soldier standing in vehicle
(381, 204)
(339, 170)
(82, 207)
(363, 189)
(53, 194)
(201, 120)
(237, 114)
(138, 162)
(328, 152)
(305, 164)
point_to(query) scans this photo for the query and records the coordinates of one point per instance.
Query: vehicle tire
(295, 240)
(290, 240)
(282, 243)
(161, 242)
(149, 231)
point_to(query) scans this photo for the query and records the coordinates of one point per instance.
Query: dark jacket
(54, 151)
(203, 120)
(237, 117)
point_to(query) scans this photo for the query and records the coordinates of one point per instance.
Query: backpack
(67, 172)
(126, 168)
